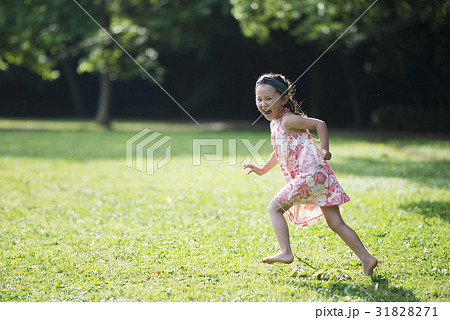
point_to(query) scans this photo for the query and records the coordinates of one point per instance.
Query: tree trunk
(104, 102)
(352, 92)
(74, 89)
(105, 95)
(412, 92)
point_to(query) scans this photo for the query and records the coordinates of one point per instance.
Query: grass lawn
(77, 224)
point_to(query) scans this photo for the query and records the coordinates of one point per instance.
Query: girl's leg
(335, 222)
(281, 230)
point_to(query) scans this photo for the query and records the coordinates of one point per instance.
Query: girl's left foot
(279, 257)
(369, 265)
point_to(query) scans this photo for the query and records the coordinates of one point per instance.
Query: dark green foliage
(408, 118)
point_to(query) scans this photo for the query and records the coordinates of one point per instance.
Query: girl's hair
(292, 104)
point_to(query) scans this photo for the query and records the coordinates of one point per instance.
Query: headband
(278, 85)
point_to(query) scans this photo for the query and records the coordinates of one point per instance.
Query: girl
(312, 192)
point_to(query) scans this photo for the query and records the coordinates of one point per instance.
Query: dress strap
(278, 123)
(286, 110)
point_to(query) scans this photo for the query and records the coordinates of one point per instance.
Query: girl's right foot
(368, 265)
(279, 257)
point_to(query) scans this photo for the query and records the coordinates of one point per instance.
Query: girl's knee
(275, 208)
(333, 226)
(333, 218)
(336, 225)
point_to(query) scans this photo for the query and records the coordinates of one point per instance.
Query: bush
(407, 118)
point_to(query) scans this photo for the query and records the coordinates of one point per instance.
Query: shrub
(408, 118)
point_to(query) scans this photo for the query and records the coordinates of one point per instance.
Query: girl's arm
(266, 167)
(295, 123)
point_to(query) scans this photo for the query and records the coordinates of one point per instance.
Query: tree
(42, 35)
(390, 31)
(32, 35)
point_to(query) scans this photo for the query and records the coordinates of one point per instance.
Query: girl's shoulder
(290, 115)
(292, 122)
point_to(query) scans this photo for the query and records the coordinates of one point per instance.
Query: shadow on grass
(93, 145)
(417, 171)
(111, 145)
(379, 290)
(429, 209)
(131, 125)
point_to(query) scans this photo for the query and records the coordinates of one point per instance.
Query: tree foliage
(318, 20)
(396, 47)
(407, 40)
(40, 34)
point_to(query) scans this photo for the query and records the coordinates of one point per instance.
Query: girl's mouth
(268, 113)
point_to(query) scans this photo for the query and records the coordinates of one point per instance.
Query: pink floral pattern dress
(311, 183)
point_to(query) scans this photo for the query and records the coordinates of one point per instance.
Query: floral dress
(311, 182)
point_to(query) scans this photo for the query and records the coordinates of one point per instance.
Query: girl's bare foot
(279, 257)
(369, 265)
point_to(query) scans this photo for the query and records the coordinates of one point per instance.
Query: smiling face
(269, 102)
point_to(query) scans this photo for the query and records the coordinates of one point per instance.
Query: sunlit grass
(75, 220)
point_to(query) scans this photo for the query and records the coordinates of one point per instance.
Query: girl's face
(269, 102)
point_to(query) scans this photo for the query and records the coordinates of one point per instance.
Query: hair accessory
(278, 85)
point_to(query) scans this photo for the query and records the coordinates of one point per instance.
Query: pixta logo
(218, 153)
(142, 147)
(141, 151)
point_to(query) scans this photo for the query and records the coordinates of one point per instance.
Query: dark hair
(292, 104)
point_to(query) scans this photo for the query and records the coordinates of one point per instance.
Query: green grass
(76, 223)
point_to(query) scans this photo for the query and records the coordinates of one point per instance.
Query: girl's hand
(254, 169)
(326, 154)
